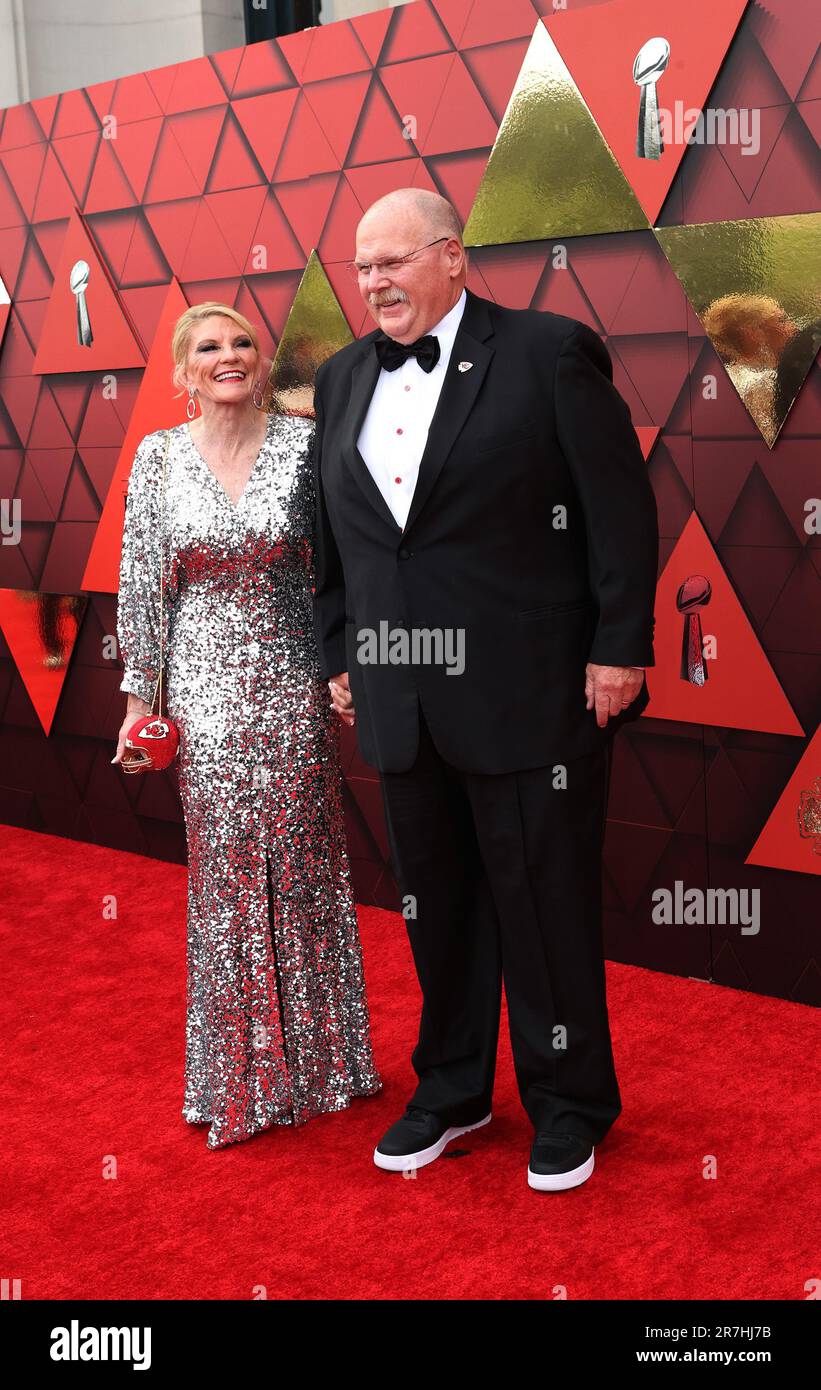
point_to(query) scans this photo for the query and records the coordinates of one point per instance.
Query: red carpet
(92, 1021)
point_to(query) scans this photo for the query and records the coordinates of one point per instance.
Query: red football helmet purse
(153, 741)
(151, 744)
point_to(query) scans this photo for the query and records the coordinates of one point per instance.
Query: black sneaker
(418, 1138)
(559, 1161)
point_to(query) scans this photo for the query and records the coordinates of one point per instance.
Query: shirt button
(407, 388)
(397, 480)
(399, 431)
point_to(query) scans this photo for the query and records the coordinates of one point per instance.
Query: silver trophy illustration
(78, 282)
(651, 61)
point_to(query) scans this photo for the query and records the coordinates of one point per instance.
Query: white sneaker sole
(402, 1163)
(559, 1182)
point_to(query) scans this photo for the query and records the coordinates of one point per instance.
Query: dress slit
(271, 911)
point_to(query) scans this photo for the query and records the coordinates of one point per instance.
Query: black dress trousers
(503, 874)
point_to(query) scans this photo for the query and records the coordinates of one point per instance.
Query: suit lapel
(456, 398)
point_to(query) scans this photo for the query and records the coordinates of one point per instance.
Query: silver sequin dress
(277, 1025)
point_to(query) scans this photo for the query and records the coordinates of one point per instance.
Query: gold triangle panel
(550, 172)
(756, 286)
(315, 329)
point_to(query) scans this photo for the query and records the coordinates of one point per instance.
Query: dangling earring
(191, 408)
(256, 392)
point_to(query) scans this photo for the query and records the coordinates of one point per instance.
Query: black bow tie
(392, 354)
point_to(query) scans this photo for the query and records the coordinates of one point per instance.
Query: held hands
(341, 697)
(610, 689)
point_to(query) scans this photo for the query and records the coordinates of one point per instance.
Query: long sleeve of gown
(138, 606)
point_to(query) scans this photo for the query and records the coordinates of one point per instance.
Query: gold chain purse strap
(158, 686)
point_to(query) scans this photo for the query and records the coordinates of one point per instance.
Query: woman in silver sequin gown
(277, 1025)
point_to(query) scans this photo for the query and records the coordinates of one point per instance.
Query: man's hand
(341, 697)
(611, 689)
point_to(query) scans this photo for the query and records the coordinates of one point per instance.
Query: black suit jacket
(534, 426)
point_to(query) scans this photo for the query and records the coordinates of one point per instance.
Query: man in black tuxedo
(485, 567)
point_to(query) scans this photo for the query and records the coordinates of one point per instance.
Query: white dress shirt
(395, 429)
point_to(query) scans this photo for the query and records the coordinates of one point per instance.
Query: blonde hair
(181, 336)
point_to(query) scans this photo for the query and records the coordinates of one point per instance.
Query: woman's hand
(134, 709)
(341, 697)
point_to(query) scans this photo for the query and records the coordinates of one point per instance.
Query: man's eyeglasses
(360, 270)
